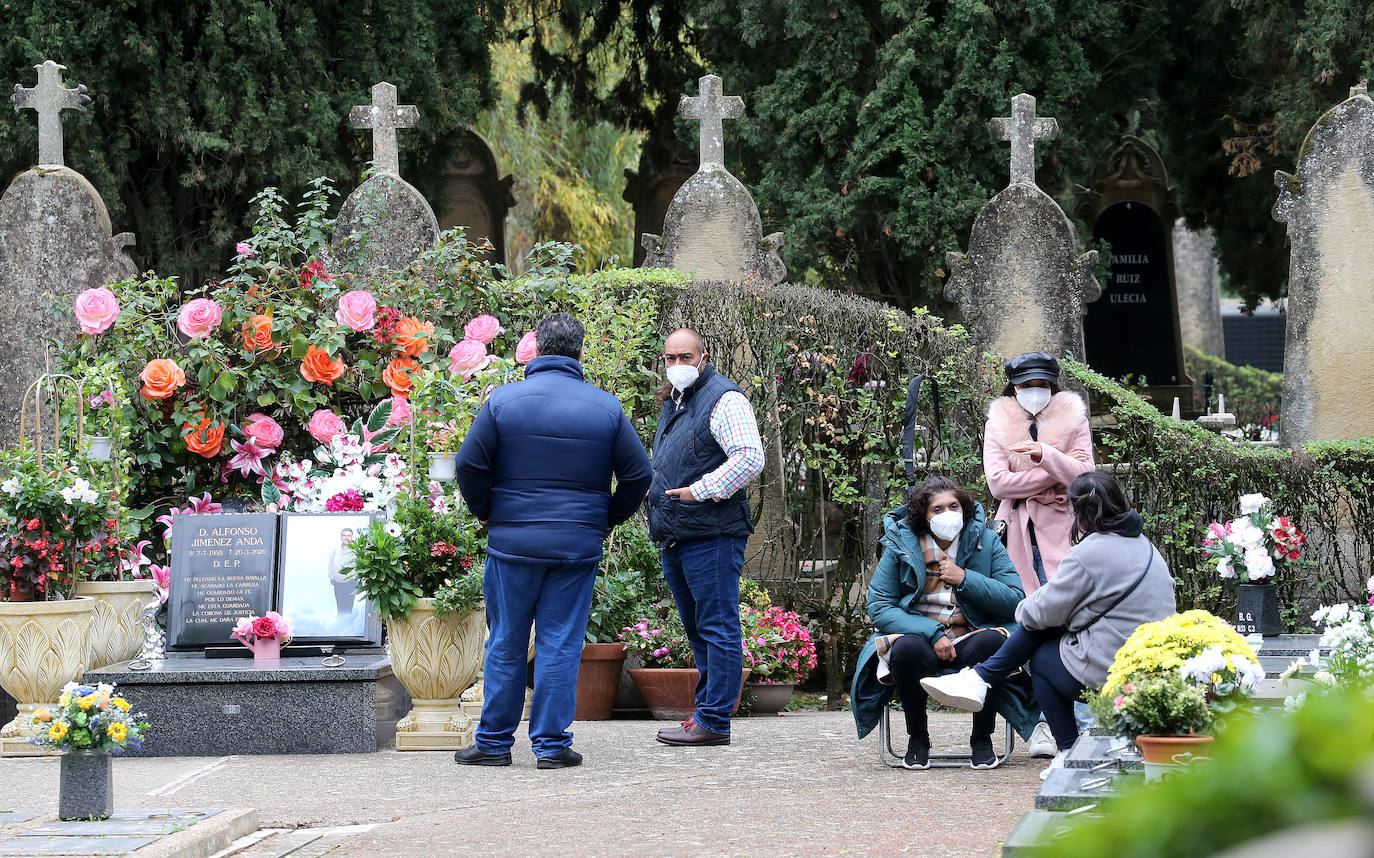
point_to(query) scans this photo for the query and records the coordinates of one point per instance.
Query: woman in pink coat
(1036, 441)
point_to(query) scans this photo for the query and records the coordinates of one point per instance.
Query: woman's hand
(1032, 448)
(944, 650)
(948, 572)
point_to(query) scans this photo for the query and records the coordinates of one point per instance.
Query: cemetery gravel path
(795, 784)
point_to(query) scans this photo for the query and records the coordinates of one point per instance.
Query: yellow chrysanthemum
(65, 700)
(1164, 645)
(57, 731)
(88, 701)
(117, 731)
(121, 703)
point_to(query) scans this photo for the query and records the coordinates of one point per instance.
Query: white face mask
(1033, 399)
(682, 376)
(946, 525)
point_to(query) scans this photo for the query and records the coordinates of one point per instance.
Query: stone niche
(650, 190)
(474, 194)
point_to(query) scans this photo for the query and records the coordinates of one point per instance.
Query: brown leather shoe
(691, 735)
(686, 725)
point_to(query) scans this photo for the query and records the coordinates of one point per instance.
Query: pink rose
(527, 350)
(266, 431)
(199, 317)
(324, 425)
(400, 411)
(96, 310)
(357, 310)
(264, 627)
(483, 329)
(468, 357)
(283, 628)
(244, 250)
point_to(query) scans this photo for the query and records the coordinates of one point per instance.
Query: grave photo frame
(313, 595)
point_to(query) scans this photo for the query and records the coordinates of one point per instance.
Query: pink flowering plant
(271, 626)
(356, 471)
(777, 646)
(1255, 545)
(658, 644)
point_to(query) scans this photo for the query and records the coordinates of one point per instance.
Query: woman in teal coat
(944, 595)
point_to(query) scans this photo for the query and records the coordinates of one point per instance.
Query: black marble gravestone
(223, 568)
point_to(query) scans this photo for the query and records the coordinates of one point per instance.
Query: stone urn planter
(1164, 754)
(87, 786)
(115, 633)
(671, 691)
(436, 658)
(43, 646)
(598, 680)
(767, 698)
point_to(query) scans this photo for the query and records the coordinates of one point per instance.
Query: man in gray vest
(706, 452)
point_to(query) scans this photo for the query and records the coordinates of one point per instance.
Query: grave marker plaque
(223, 568)
(1129, 331)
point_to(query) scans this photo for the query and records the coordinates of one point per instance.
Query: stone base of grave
(151, 832)
(1069, 789)
(1035, 831)
(216, 707)
(1103, 753)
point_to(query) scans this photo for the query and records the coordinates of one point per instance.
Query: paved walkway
(796, 784)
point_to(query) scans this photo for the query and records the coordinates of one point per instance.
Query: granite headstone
(1198, 279)
(473, 194)
(223, 568)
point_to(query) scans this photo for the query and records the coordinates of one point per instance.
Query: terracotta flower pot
(43, 646)
(115, 633)
(768, 698)
(598, 679)
(1161, 752)
(671, 691)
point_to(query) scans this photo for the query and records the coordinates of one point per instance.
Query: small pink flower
(660, 652)
(468, 357)
(483, 329)
(248, 457)
(400, 411)
(263, 429)
(324, 425)
(199, 318)
(357, 310)
(527, 350)
(242, 249)
(96, 310)
(1118, 702)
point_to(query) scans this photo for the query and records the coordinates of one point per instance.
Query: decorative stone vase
(436, 658)
(443, 467)
(115, 632)
(87, 786)
(1162, 753)
(43, 646)
(99, 448)
(598, 679)
(1257, 610)
(767, 698)
(671, 691)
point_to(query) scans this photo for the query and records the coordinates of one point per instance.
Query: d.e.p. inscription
(222, 569)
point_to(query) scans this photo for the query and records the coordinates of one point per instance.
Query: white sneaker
(1042, 743)
(963, 690)
(1056, 763)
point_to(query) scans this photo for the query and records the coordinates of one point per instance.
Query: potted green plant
(780, 654)
(618, 597)
(87, 725)
(668, 679)
(1165, 715)
(101, 416)
(423, 571)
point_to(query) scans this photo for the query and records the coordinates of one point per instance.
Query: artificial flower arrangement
(777, 647)
(1256, 544)
(352, 471)
(90, 718)
(1348, 633)
(264, 635)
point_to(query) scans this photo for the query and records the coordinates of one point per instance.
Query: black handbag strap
(1122, 597)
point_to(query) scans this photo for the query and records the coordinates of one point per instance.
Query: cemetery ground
(794, 784)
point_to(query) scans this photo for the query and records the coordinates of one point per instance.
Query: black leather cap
(1031, 366)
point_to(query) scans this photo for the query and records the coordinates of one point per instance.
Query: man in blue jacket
(536, 468)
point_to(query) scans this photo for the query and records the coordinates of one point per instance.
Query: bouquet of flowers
(1348, 632)
(352, 471)
(1257, 542)
(250, 631)
(90, 718)
(777, 647)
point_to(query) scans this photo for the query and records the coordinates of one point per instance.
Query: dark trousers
(704, 577)
(343, 595)
(557, 598)
(912, 658)
(1055, 688)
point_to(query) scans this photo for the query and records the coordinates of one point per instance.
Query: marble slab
(1037, 830)
(1067, 789)
(1091, 751)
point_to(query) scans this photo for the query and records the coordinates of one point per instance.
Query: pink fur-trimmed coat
(1042, 488)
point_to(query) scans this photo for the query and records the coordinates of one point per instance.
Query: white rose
(1224, 568)
(1252, 503)
(1324, 677)
(1258, 563)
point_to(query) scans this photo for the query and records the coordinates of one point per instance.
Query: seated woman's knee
(913, 654)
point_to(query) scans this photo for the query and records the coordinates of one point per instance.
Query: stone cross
(384, 116)
(710, 108)
(1022, 129)
(49, 98)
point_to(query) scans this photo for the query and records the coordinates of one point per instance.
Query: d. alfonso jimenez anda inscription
(222, 569)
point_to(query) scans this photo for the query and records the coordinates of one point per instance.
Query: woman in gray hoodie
(1112, 581)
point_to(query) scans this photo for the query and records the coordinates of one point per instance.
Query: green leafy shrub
(1160, 705)
(1253, 395)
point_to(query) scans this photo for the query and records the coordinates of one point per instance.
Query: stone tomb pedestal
(201, 707)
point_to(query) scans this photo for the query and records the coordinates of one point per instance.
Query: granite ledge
(180, 670)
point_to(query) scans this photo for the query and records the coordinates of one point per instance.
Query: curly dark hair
(919, 504)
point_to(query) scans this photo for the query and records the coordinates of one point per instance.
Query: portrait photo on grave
(315, 590)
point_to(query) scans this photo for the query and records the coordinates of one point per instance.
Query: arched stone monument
(474, 194)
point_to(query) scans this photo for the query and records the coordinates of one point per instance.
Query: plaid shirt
(937, 599)
(737, 432)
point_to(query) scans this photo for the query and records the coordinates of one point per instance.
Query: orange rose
(397, 375)
(257, 334)
(161, 378)
(411, 335)
(319, 366)
(205, 440)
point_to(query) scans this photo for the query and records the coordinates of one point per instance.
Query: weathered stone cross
(1022, 129)
(384, 116)
(710, 108)
(49, 98)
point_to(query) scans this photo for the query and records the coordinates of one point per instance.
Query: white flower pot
(43, 646)
(443, 467)
(436, 659)
(99, 447)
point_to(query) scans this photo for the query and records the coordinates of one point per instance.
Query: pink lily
(134, 560)
(163, 576)
(248, 457)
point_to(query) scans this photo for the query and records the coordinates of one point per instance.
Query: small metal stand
(331, 659)
(152, 637)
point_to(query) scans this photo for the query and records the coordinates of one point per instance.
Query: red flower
(264, 627)
(314, 272)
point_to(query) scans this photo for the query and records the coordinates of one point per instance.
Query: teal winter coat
(988, 598)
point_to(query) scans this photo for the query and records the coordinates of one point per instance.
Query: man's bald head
(684, 341)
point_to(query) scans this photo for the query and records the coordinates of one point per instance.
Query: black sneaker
(475, 757)
(984, 757)
(917, 753)
(565, 758)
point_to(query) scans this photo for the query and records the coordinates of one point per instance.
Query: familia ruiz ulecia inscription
(223, 568)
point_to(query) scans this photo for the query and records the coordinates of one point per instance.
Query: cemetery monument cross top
(1022, 129)
(384, 116)
(711, 108)
(49, 98)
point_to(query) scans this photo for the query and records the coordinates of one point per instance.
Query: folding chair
(892, 759)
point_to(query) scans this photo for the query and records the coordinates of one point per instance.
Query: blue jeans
(1055, 688)
(704, 577)
(557, 598)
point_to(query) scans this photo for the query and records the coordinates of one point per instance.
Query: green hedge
(1253, 395)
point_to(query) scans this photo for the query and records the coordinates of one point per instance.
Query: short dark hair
(919, 504)
(1099, 506)
(559, 334)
